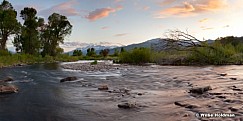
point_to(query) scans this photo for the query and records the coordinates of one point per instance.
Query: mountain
(84, 46)
(146, 44)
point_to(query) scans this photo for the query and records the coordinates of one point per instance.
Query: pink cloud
(203, 20)
(117, 1)
(122, 34)
(65, 8)
(146, 8)
(105, 27)
(166, 2)
(193, 8)
(101, 13)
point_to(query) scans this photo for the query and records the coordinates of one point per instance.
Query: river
(42, 97)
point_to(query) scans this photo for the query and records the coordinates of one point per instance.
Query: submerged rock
(233, 78)
(8, 79)
(103, 87)
(8, 89)
(223, 74)
(68, 79)
(127, 105)
(185, 105)
(200, 90)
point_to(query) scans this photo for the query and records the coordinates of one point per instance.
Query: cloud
(203, 20)
(65, 8)
(146, 8)
(206, 28)
(193, 8)
(120, 35)
(166, 2)
(105, 27)
(101, 13)
(117, 1)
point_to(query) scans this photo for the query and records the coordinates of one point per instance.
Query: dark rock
(237, 89)
(221, 96)
(233, 109)
(179, 104)
(103, 87)
(8, 79)
(185, 105)
(127, 105)
(200, 90)
(232, 101)
(191, 106)
(233, 78)
(8, 89)
(186, 115)
(223, 74)
(140, 93)
(68, 79)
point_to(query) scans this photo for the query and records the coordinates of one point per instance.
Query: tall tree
(104, 52)
(57, 29)
(8, 23)
(28, 39)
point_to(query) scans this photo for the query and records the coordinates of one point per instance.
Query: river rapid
(153, 88)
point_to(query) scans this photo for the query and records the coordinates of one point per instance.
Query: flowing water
(42, 97)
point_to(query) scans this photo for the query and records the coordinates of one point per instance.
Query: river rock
(103, 87)
(223, 74)
(8, 79)
(68, 79)
(127, 105)
(8, 89)
(185, 105)
(200, 90)
(233, 78)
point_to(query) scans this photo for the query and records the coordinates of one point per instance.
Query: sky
(135, 21)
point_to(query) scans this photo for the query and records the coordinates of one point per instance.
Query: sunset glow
(134, 21)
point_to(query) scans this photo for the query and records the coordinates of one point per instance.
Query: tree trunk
(3, 42)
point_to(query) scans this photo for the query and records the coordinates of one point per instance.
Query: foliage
(122, 50)
(57, 29)
(77, 53)
(27, 41)
(91, 52)
(4, 53)
(136, 56)
(94, 63)
(8, 23)
(104, 52)
(116, 53)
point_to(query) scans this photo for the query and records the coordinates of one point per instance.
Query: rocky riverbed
(191, 91)
(122, 93)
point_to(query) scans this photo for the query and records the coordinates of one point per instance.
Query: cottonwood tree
(8, 23)
(28, 39)
(56, 30)
(104, 52)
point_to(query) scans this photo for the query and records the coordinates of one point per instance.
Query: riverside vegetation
(37, 41)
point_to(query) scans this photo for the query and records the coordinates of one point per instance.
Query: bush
(136, 56)
(4, 53)
(94, 63)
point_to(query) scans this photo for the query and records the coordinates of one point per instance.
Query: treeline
(91, 52)
(34, 36)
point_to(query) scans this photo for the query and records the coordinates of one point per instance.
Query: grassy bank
(7, 59)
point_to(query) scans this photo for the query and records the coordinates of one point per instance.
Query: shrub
(94, 63)
(136, 56)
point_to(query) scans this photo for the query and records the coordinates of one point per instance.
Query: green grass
(15, 59)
